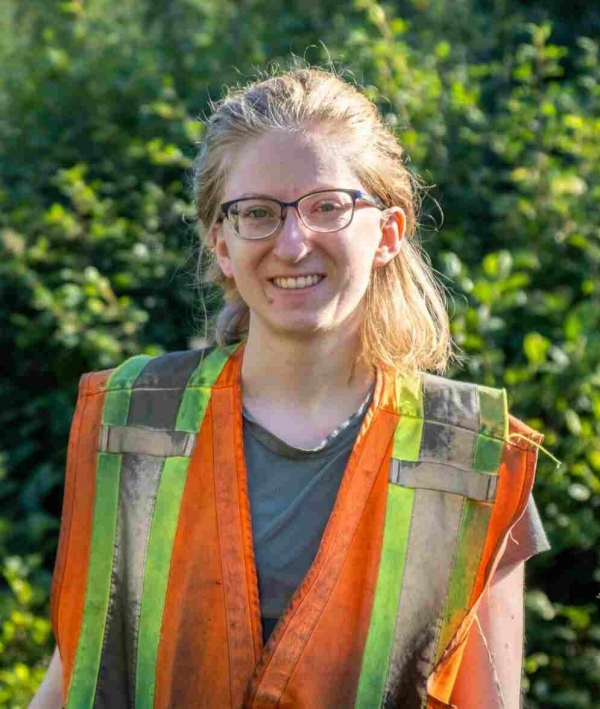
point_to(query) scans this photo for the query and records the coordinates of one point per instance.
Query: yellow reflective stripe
(374, 669)
(409, 431)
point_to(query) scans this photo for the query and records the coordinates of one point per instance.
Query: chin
(306, 326)
(301, 328)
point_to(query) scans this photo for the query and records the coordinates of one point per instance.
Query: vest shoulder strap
(156, 405)
(445, 474)
(152, 407)
(455, 425)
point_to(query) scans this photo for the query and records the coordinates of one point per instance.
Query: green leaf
(536, 348)
(573, 422)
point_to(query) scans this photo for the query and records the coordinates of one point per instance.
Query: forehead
(287, 165)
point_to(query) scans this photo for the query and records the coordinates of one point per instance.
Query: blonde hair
(406, 324)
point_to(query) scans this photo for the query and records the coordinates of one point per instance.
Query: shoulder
(168, 371)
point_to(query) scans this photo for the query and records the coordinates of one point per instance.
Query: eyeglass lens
(258, 217)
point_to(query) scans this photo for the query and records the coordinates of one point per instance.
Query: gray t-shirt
(292, 492)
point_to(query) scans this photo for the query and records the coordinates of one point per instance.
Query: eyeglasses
(322, 211)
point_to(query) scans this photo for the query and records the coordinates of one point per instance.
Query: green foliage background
(497, 103)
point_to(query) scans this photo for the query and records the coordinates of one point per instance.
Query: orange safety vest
(155, 596)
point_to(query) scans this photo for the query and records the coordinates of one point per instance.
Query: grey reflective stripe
(134, 439)
(429, 560)
(450, 402)
(140, 476)
(169, 374)
(445, 478)
(448, 444)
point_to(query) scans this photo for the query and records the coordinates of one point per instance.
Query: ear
(393, 229)
(221, 249)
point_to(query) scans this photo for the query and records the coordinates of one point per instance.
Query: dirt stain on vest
(407, 683)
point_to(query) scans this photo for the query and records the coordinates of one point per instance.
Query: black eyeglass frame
(355, 194)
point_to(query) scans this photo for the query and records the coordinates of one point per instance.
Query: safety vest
(155, 596)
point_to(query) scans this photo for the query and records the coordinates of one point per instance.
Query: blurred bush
(497, 103)
(25, 634)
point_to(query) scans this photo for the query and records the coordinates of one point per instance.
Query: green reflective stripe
(387, 595)
(409, 431)
(197, 391)
(192, 410)
(87, 660)
(156, 577)
(116, 403)
(493, 412)
(470, 542)
(488, 455)
(493, 426)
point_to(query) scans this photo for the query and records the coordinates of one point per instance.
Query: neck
(307, 373)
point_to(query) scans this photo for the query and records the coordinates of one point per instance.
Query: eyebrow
(245, 195)
(321, 188)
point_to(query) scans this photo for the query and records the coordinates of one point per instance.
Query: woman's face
(287, 166)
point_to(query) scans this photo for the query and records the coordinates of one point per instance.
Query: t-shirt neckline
(350, 427)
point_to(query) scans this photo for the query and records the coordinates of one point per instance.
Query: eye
(327, 206)
(255, 212)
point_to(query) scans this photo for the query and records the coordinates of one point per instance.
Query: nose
(291, 244)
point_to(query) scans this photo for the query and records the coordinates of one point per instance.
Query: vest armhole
(90, 384)
(525, 447)
(67, 507)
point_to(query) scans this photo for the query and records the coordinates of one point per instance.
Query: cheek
(244, 266)
(360, 263)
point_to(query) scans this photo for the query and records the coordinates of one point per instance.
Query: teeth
(301, 282)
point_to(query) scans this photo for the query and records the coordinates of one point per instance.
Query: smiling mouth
(297, 283)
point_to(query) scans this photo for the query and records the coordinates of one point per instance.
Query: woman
(305, 519)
